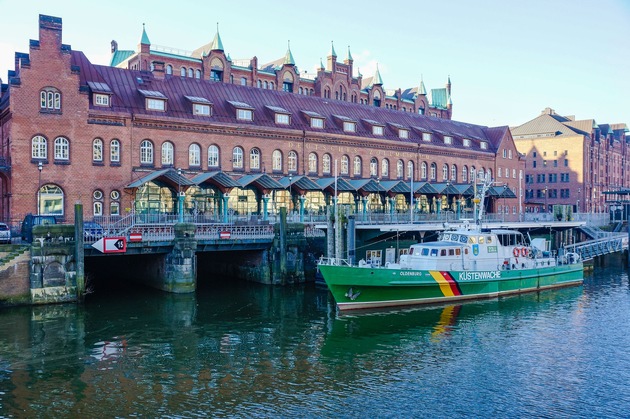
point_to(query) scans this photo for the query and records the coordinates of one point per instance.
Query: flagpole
(411, 199)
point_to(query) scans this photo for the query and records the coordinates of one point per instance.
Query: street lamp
(290, 195)
(505, 186)
(180, 198)
(546, 207)
(40, 167)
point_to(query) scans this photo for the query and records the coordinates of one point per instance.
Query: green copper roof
(119, 56)
(377, 77)
(288, 58)
(439, 98)
(145, 37)
(421, 89)
(332, 50)
(349, 58)
(216, 45)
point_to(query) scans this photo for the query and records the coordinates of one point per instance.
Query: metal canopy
(342, 184)
(216, 178)
(300, 182)
(261, 180)
(165, 177)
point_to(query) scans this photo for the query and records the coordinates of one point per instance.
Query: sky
(507, 60)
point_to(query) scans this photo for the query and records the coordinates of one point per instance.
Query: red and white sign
(111, 245)
(225, 235)
(135, 237)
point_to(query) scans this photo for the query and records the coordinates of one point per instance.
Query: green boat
(466, 263)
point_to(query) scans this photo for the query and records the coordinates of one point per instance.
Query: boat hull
(356, 288)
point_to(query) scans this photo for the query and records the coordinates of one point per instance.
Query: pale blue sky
(507, 60)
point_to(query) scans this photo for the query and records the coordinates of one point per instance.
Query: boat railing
(333, 261)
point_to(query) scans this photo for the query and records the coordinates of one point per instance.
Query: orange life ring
(525, 251)
(516, 252)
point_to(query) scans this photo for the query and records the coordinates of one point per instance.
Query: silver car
(5, 233)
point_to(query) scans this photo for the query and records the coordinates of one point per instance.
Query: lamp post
(40, 167)
(505, 186)
(180, 198)
(546, 207)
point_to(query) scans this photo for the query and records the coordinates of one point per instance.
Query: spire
(321, 63)
(359, 72)
(145, 37)
(217, 45)
(288, 58)
(377, 77)
(349, 58)
(421, 89)
(332, 50)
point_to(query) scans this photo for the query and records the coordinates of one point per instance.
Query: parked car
(5, 233)
(33, 220)
(92, 231)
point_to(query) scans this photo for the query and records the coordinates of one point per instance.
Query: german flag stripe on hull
(448, 285)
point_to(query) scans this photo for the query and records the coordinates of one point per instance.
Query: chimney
(50, 31)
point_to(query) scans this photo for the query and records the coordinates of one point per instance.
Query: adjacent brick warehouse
(95, 130)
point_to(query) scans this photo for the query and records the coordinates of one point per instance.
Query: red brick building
(155, 125)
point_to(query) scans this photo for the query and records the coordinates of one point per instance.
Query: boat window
(472, 239)
(434, 252)
(481, 239)
(410, 251)
(458, 252)
(451, 252)
(443, 252)
(425, 252)
(465, 250)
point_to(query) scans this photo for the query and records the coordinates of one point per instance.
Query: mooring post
(283, 242)
(79, 254)
(351, 240)
(330, 233)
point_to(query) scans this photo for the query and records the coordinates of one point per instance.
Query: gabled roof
(197, 99)
(216, 178)
(544, 126)
(164, 177)
(119, 56)
(329, 183)
(367, 185)
(396, 186)
(299, 182)
(261, 180)
(152, 93)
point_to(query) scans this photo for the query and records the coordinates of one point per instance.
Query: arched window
(237, 158)
(465, 174)
(433, 174)
(213, 156)
(50, 99)
(400, 167)
(97, 150)
(271, 85)
(265, 85)
(356, 167)
(197, 74)
(326, 159)
(276, 161)
(481, 174)
(373, 167)
(39, 147)
(473, 173)
(194, 155)
(243, 81)
(345, 163)
(146, 152)
(51, 200)
(410, 169)
(62, 148)
(423, 170)
(169, 69)
(258, 84)
(312, 163)
(453, 173)
(168, 154)
(507, 174)
(385, 168)
(97, 204)
(445, 172)
(114, 151)
(292, 161)
(254, 159)
(182, 72)
(190, 73)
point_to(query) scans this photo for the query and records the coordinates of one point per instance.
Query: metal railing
(587, 250)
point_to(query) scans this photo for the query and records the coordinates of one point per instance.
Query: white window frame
(483, 145)
(466, 142)
(213, 156)
(276, 161)
(317, 123)
(283, 118)
(349, 126)
(154, 104)
(101, 99)
(202, 109)
(237, 158)
(146, 152)
(403, 133)
(168, 153)
(114, 151)
(426, 136)
(254, 159)
(448, 139)
(245, 114)
(97, 150)
(62, 148)
(194, 155)
(377, 130)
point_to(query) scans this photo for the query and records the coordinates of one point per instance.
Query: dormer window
(200, 105)
(377, 127)
(377, 130)
(426, 136)
(466, 142)
(403, 133)
(282, 118)
(317, 123)
(483, 145)
(244, 111)
(154, 100)
(448, 139)
(281, 115)
(101, 93)
(349, 126)
(101, 99)
(315, 120)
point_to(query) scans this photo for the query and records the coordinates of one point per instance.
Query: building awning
(396, 186)
(445, 188)
(465, 189)
(367, 185)
(424, 188)
(328, 183)
(300, 182)
(501, 192)
(261, 181)
(165, 177)
(219, 179)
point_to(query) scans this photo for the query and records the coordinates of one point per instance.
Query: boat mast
(480, 196)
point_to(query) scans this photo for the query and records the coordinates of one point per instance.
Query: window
(513, 173)
(98, 208)
(510, 154)
(356, 167)
(39, 149)
(194, 155)
(454, 173)
(555, 163)
(466, 142)
(409, 169)
(101, 99)
(244, 114)
(312, 163)
(292, 160)
(114, 151)
(564, 177)
(423, 170)
(377, 130)
(385, 168)
(237, 158)
(254, 159)
(349, 126)
(197, 74)
(182, 72)
(190, 73)
(400, 167)
(448, 140)
(345, 163)
(445, 172)
(534, 164)
(481, 174)
(169, 69)
(317, 123)
(473, 173)
(566, 163)
(146, 152)
(114, 208)
(465, 174)
(326, 163)
(50, 99)
(201, 109)
(504, 153)
(213, 156)
(499, 172)
(403, 133)
(276, 161)
(216, 75)
(243, 81)
(97, 150)
(62, 149)
(373, 167)
(287, 86)
(483, 145)
(282, 118)
(167, 154)
(426, 136)
(156, 104)
(51, 200)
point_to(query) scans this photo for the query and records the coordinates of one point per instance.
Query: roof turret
(332, 50)
(377, 77)
(288, 58)
(145, 38)
(217, 45)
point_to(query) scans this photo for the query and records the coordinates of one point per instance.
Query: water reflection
(241, 349)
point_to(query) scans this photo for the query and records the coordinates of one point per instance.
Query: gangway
(615, 242)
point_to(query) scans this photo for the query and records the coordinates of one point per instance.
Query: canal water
(237, 349)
